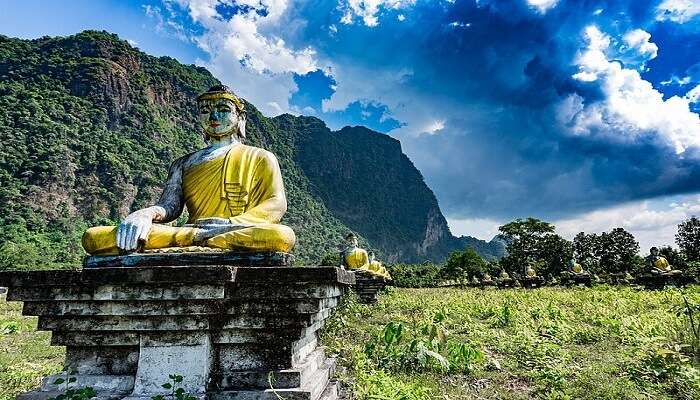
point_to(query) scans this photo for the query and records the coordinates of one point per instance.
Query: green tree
(533, 241)
(586, 251)
(461, 265)
(617, 250)
(688, 239)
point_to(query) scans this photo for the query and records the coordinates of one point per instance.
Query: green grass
(601, 343)
(25, 354)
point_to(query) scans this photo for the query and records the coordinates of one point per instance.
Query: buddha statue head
(371, 256)
(221, 114)
(654, 252)
(351, 240)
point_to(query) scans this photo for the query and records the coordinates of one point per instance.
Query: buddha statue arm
(267, 195)
(137, 225)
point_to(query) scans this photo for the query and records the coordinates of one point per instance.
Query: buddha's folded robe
(245, 187)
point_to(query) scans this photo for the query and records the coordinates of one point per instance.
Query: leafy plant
(70, 393)
(8, 327)
(177, 392)
(425, 347)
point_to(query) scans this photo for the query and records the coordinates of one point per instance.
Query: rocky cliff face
(88, 126)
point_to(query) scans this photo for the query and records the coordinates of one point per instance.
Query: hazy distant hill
(89, 125)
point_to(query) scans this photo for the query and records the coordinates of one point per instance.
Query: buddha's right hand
(134, 229)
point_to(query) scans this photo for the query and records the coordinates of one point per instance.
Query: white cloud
(542, 6)
(246, 50)
(480, 228)
(679, 11)
(652, 222)
(639, 40)
(674, 80)
(631, 107)
(693, 95)
(368, 10)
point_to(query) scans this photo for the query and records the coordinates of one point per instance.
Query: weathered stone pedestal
(232, 332)
(576, 280)
(368, 286)
(506, 283)
(660, 281)
(532, 282)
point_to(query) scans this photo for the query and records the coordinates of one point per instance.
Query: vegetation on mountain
(89, 126)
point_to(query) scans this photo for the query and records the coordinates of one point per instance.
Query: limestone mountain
(89, 125)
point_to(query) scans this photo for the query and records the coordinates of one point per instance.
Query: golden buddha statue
(530, 272)
(234, 194)
(353, 257)
(576, 268)
(504, 275)
(659, 264)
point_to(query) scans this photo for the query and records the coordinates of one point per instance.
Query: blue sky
(581, 112)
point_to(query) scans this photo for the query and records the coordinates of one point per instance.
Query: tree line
(535, 243)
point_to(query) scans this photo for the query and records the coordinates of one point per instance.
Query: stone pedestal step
(312, 390)
(281, 379)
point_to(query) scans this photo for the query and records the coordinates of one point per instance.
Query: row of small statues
(657, 264)
(353, 257)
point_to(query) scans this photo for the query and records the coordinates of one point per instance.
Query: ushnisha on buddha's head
(221, 114)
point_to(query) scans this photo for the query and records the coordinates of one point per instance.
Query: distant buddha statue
(530, 272)
(353, 257)
(576, 268)
(659, 264)
(234, 194)
(487, 280)
(504, 279)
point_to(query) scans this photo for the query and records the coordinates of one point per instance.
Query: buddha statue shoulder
(234, 194)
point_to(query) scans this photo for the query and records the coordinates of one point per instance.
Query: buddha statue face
(351, 240)
(220, 118)
(371, 256)
(654, 251)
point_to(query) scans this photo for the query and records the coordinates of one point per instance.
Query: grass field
(601, 343)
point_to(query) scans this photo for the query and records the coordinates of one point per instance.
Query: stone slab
(117, 292)
(179, 274)
(117, 276)
(115, 384)
(282, 379)
(156, 363)
(242, 259)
